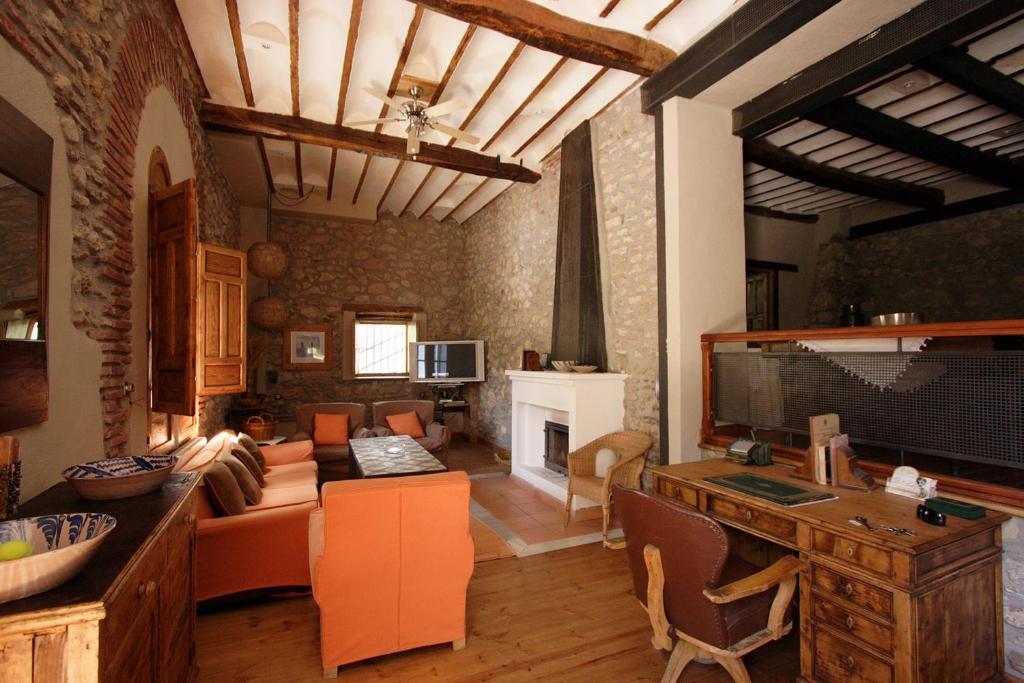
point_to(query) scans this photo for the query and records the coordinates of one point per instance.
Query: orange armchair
(391, 561)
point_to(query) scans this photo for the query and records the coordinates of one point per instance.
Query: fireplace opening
(556, 447)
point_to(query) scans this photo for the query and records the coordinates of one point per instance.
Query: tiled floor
(532, 521)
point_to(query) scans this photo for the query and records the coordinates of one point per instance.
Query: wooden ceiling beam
(850, 117)
(297, 129)
(765, 212)
(974, 76)
(750, 30)
(552, 32)
(783, 161)
(526, 102)
(293, 50)
(396, 76)
(915, 34)
(608, 8)
(665, 11)
(962, 208)
(266, 164)
(346, 76)
(236, 39)
(565, 107)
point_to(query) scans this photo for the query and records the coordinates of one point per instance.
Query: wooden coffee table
(389, 456)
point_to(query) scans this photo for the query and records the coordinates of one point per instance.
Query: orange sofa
(391, 561)
(264, 547)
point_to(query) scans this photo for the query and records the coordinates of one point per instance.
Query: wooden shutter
(172, 273)
(221, 320)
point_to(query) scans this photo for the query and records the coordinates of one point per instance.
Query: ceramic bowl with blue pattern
(130, 475)
(61, 546)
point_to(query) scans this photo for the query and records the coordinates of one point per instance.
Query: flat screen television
(446, 362)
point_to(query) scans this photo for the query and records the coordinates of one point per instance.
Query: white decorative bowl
(130, 475)
(61, 545)
(584, 368)
(563, 365)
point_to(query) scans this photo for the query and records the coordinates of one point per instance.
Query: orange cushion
(406, 424)
(330, 429)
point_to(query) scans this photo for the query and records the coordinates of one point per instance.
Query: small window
(376, 341)
(382, 348)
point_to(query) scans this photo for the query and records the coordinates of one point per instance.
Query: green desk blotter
(772, 490)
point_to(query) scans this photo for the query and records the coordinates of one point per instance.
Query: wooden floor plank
(569, 615)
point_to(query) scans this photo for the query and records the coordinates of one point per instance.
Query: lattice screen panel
(966, 406)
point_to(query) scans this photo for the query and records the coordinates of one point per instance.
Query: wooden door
(172, 267)
(221, 320)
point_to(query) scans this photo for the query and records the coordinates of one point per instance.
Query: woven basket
(260, 427)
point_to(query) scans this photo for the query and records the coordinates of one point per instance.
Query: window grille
(382, 346)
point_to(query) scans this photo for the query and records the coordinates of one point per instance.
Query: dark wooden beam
(550, 31)
(769, 156)
(740, 37)
(266, 164)
(853, 118)
(236, 39)
(964, 208)
(293, 62)
(974, 76)
(921, 31)
(773, 265)
(765, 212)
(526, 102)
(355, 17)
(608, 8)
(565, 107)
(297, 129)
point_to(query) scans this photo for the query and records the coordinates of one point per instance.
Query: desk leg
(806, 640)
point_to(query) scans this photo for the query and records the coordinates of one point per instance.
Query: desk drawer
(852, 623)
(753, 518)
(868, 557)
(681, 492)
(840, 661)
(875, 600)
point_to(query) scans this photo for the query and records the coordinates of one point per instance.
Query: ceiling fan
(419, 118)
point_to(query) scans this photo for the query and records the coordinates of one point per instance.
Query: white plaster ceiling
(323, 28)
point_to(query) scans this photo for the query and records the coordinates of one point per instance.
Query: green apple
(14, 550)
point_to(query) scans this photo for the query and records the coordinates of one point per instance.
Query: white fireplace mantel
(591, 404)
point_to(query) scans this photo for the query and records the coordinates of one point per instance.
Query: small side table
(462, 407)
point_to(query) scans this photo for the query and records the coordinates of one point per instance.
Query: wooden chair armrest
(787, 567)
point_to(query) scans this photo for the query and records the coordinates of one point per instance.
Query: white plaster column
(705, 256)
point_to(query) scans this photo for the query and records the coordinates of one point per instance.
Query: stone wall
(510, 269)
(396, 261)
(19, 234)
(101, 59)
(966, 268)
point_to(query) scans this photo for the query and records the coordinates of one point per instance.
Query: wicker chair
(630, 447)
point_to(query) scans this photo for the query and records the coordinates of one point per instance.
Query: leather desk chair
(712, 605)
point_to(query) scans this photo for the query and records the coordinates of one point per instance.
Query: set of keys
(897, 530)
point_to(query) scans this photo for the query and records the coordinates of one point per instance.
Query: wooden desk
(874, 607)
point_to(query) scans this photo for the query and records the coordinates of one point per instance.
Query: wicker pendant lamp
(268, 260)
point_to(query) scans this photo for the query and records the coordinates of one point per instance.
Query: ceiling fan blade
(412, 147)
(369, 121)
(444, 108)
(383, 97)
(456, 133)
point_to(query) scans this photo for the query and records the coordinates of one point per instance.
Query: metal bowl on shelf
(896, 319)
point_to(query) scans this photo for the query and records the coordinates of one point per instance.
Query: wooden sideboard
(130, 615)
(874, 607)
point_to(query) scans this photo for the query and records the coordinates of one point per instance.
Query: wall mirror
(26, 157)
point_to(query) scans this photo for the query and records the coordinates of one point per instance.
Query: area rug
(489, 545)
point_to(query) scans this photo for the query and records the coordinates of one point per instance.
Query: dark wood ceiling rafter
(609, 8)
(355, 18)
(442, 193)
(396, 76)
(665, 11)
(797, 166)
(293, 63)
(550, 31)
(236, 39)
(469, 196)
(853, 118)
(977, 78)
(953, 210)
(266, 164)
(738, 38)
(308, 131)
(483, 99)
(915, 34)
(765, 212)
(615, 100)
(453, 64)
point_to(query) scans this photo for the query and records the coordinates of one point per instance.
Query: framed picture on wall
(307, 347)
